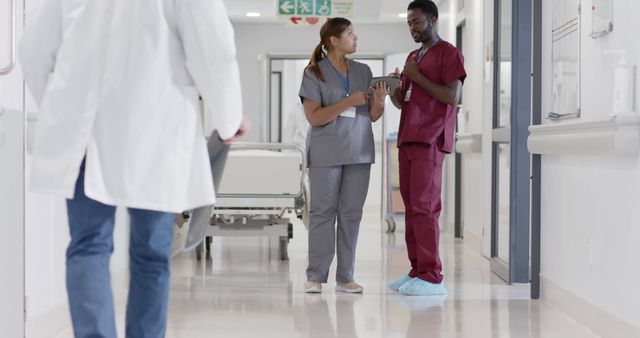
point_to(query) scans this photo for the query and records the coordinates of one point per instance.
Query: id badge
(351, 112)
(407, 96)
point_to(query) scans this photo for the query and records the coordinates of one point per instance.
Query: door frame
(12, 244)
(458, 219)
(516, 134)
(536, 159)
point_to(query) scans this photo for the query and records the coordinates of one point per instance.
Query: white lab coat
(118, 80)
(297, 127)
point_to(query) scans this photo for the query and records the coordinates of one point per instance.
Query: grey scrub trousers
(339, 156)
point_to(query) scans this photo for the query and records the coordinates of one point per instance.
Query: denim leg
(88, 280)
(150, 259)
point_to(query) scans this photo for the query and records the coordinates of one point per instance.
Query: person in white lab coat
(297, 127)
(296, 132)
(117, 84)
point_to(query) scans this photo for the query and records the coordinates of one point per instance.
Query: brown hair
(332, 27)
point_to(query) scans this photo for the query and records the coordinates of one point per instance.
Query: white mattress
(262, 172)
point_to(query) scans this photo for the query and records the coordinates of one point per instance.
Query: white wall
(590, 213)
(473, 103)
(255, 40)
(473, 106)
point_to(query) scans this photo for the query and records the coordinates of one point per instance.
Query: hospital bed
(261, 189)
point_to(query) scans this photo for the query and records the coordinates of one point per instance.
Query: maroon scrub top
(424, 119)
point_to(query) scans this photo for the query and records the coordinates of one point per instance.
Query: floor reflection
(243, 290)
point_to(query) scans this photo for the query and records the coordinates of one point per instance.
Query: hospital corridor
(319, 168)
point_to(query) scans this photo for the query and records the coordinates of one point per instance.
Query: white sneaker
(352, 287)
(312, 287)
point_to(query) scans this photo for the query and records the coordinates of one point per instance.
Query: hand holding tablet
(393, 82)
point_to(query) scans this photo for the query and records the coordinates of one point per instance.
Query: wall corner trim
(618, 135)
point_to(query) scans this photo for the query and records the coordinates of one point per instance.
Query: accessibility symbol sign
(315, 8)
(323, 7)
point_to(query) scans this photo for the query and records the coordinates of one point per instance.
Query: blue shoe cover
(420, 303)
(396, 284)
(419, 287)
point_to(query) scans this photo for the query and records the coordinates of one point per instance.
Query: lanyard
(428, 49)
(408, 94)
(345, 81)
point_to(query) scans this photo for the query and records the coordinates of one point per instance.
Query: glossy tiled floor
(245, 291)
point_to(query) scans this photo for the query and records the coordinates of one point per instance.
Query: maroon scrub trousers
(420, 186)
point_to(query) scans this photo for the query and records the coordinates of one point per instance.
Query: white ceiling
(366, 11)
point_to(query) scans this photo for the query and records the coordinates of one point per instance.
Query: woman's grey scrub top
(344, 140)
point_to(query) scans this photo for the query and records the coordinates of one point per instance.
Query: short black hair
(427, 7)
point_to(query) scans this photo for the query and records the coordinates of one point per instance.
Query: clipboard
(201, 217)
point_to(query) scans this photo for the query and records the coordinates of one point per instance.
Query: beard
(426, 34)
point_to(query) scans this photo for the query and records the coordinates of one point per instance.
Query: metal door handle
(12, 39)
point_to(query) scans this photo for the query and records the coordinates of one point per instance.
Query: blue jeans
(91, 226)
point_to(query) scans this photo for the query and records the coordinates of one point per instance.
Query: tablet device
(391, 81)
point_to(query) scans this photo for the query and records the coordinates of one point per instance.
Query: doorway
(511, 162)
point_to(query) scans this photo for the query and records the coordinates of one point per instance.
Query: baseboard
(449, 225)
(56, 321)
(586, 313)
(473, 241)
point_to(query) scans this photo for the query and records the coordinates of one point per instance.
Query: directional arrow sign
(286, 7)
(296, 12)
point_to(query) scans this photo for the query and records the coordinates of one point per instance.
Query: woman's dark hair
(427, 7)
(332, 27)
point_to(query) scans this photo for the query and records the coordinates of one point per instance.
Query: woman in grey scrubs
(340, 151)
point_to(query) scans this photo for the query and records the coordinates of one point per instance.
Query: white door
(12, 122)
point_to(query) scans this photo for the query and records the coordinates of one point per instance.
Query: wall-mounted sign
(309, 12)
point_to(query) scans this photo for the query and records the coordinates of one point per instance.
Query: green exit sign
(316, 8)
(305, 7)
(287, 7)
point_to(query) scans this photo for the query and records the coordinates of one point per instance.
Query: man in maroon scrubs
(431, 85)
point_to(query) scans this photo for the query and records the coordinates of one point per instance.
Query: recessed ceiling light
(253, 14)
(402, 15)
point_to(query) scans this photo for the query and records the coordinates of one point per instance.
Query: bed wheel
(205, 245)
(284, 243)
(199, 252)
(208, 241)
(391, 224)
